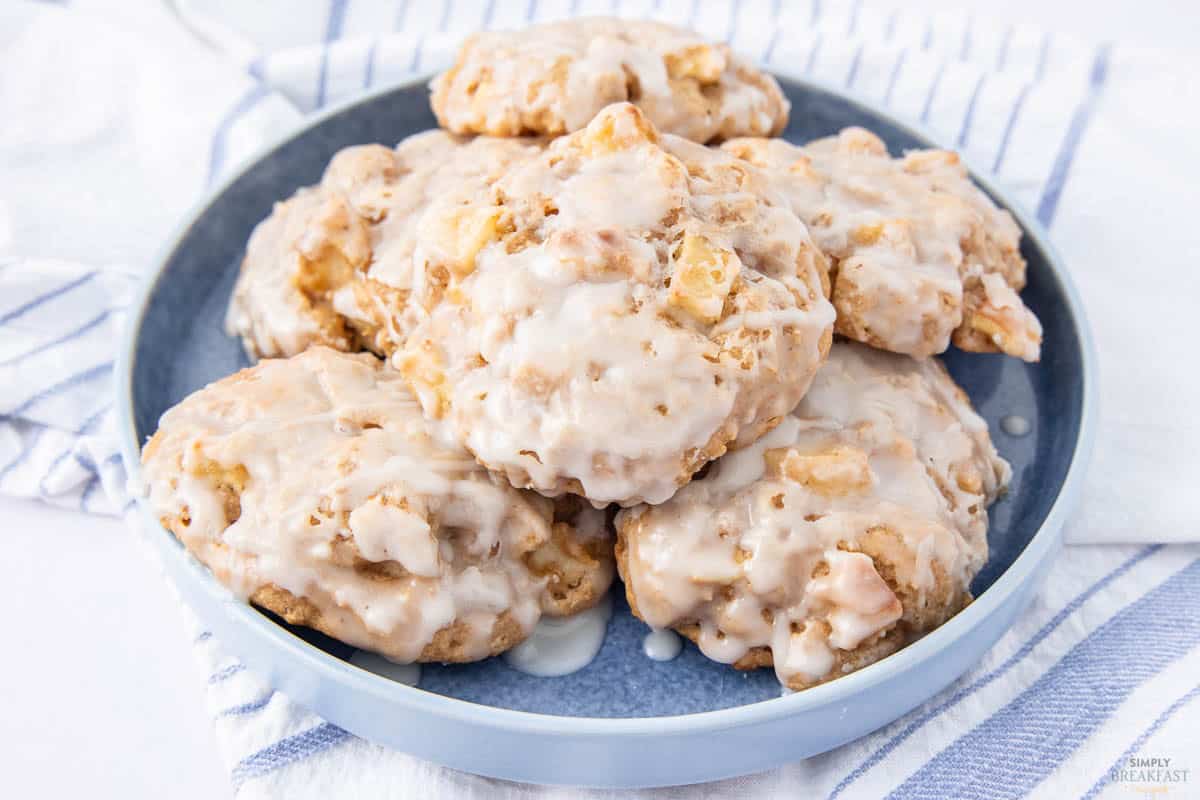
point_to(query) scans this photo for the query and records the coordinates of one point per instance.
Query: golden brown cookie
(621, 309)
(552, 79)
(852, 528)
(313, 487)
(918, 254)
(332, 265)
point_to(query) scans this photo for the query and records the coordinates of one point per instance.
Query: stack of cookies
(602, 322)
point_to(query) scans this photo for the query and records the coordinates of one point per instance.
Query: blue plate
(624, 720)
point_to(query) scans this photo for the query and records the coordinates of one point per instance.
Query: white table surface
(100, 694)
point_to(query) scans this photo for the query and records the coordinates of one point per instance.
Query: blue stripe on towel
(66, 337)
(887, 95)
(87, 463)
(89, 424)
(66, 383)
(1005, 44)
(1039, 72)
(770, 51)
(766, 56)
(48, 296)
(1027, 648)
(854, 64)
(97, 480)
(1022, 96)
(937, 81)
(333, 32)
(88, 489)
(812, 55)
(1066, 156)
(970, 115)
(1018, 746)
(24, 454)
(225, 673)
(58, 459)
(415, 64)
(287, 751)
(249, 100)
(85, 428)
(733, 15)
(245, 709)
(369, 70)
(1018, 104)
(1141, 740)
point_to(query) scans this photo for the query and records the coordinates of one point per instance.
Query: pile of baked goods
(602, 322)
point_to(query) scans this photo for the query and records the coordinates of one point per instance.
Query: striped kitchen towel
(1103, 667)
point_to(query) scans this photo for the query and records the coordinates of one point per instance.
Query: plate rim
(329, 668)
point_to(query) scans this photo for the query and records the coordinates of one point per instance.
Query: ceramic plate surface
(624, 720)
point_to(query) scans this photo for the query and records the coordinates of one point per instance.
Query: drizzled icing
(624, 309)
(1016, 425)
(314, 487)
(920, 255)
(560, 646)
(554, 78)
(332, 264)
(855, 524)
(600, 319)
(661, 645)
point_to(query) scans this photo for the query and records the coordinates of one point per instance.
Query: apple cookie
(332, 265)
(919, 256)
(313, 487)
(625, 307)
(552, 79)
(851, 529)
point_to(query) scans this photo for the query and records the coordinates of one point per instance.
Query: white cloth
(115, 123)
(1102, 666)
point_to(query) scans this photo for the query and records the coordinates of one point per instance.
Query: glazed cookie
(624, 308)
(313, 487)
(552, 79)
(918, 254)
(332, 265)
(851, 529)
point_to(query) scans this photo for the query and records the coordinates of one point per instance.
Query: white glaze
(1016, 425)
(661, 645)
(322, 267)
(921, 253)
(753, 551)
(560, 356)
(343, 478)
(562, 645)
(554, 78)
